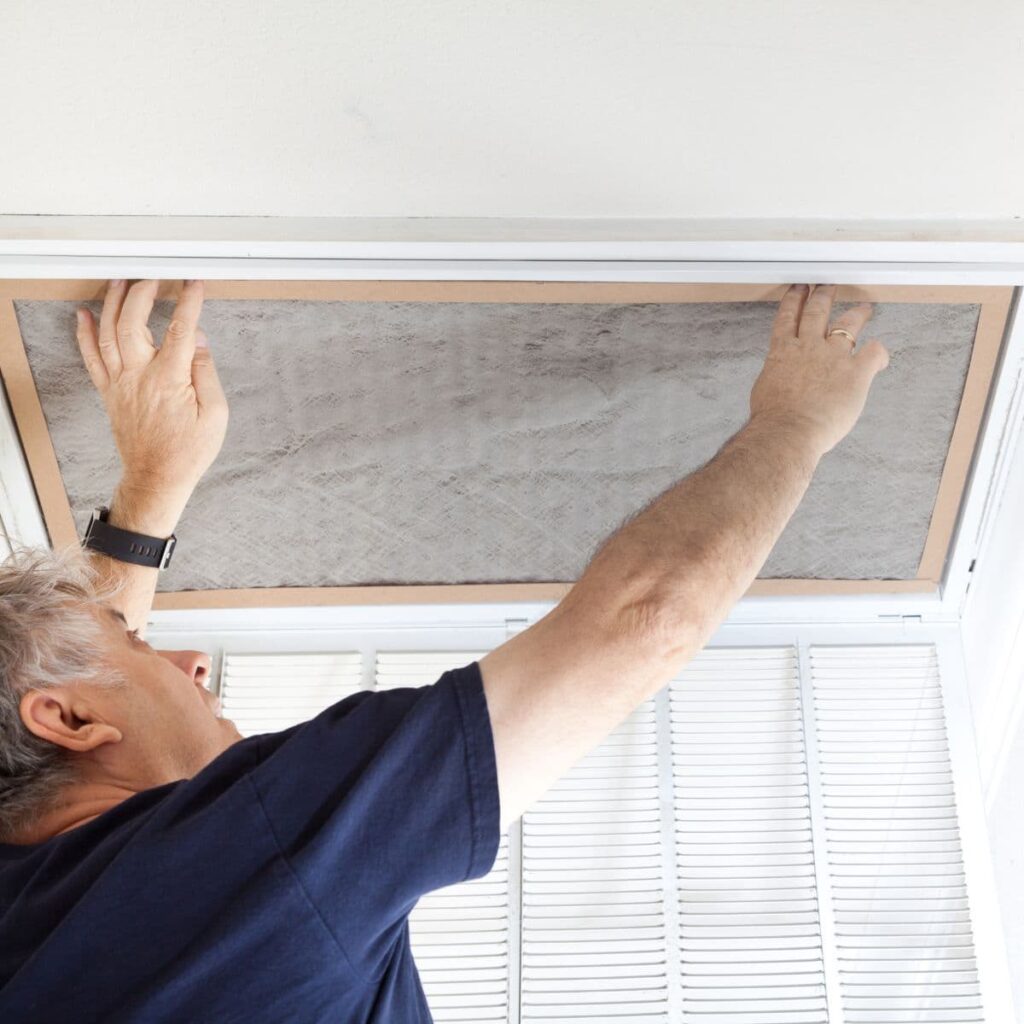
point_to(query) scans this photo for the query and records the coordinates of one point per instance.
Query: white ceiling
(480, 108)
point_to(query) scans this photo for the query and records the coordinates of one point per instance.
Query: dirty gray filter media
(438, 442)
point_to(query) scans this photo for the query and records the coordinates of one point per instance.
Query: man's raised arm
(168, 414)
(658, 589)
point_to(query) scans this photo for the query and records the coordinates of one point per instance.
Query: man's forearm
(692, 553)
(142, 510)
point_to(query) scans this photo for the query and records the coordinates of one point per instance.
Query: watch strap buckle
(165, 558)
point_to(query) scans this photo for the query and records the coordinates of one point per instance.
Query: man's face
(167, 717)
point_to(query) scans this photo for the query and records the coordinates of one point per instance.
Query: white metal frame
(238, 256)
(771, 270)
(20, 514)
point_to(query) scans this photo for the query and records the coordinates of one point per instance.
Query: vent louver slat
(593, 914)
(902, 923)
(269, 692)
(750, 937)
(459, 934)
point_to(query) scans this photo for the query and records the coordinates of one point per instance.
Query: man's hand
(167, 409)
(812, 379)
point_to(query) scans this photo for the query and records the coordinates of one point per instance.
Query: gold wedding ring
(846, 334)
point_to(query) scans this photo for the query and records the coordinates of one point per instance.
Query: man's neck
(83, 802)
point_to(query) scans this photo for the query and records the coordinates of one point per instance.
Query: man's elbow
(665, 623)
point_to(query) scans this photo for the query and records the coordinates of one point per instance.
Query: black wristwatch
(126, 546)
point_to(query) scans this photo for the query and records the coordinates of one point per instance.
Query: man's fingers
(874, 355)
(853, 320)
(816, 312)
(89, 345)
(209, 393)
(788, 316)
(133, 323)
(179, 343)
(110, 351)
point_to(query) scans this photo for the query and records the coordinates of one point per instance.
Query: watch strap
(126, 545)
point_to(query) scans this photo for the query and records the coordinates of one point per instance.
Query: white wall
(514, 108)
(1006, 835)
(992, 628)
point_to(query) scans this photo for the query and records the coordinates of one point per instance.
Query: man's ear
(65, 719)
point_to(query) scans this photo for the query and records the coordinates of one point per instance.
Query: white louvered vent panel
(750, 937)
(902, 924)
(459, 934)
(269, 692)
(593, 914)
(460, 943)
(419, 668)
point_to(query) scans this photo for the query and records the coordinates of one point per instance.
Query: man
(156, 866)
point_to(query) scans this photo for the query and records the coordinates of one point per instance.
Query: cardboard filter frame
(42, 462)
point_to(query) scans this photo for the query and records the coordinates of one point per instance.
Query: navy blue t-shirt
(274, 885)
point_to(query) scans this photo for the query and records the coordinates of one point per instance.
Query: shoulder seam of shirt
(298, 881)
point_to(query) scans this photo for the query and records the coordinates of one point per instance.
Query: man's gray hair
(48, 638)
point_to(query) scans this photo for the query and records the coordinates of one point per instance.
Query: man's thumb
(202, 341)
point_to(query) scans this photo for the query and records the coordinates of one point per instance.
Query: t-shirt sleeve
(381, 798)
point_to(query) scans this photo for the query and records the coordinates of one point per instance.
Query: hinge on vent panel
(907, 620)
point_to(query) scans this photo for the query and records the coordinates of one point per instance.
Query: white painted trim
(299, 620)
(19, 508)
(1000, 435)
(772, 269)
(497, 238)
(1000, 448)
